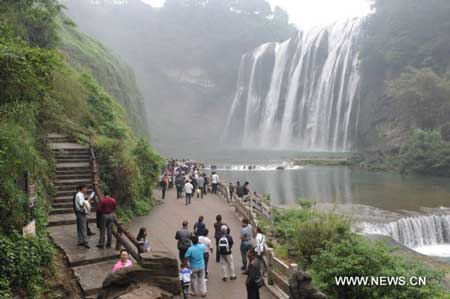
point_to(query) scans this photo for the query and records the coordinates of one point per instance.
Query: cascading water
(302, 93)
(415, 231)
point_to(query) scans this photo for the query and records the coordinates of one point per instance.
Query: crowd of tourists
(195, 247)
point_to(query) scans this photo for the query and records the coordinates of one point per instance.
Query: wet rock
(301, 287)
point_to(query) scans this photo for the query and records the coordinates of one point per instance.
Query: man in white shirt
(188, 189)
(215, 180)
(81, 214)
(208, 248)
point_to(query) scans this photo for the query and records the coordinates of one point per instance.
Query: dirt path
(165, 220)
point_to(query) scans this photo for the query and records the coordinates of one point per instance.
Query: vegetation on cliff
(51, 82)
(405, 79)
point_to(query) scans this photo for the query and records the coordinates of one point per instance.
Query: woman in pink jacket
(124, 262)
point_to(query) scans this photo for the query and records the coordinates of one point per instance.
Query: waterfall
(299, 94)
(415, 231)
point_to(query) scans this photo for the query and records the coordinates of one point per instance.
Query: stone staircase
(73, 166)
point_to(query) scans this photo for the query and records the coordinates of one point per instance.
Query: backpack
(224, 246)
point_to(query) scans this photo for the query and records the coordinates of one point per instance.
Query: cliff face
(85, 54)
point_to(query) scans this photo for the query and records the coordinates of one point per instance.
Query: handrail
(120, 230)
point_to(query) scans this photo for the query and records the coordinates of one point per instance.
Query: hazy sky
(310, 13)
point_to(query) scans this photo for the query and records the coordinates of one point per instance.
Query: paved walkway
(165, 220)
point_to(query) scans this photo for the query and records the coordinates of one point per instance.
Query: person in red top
(106, 207)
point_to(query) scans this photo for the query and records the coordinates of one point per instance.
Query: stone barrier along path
(165, 219)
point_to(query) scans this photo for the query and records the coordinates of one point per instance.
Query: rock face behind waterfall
(302, 93)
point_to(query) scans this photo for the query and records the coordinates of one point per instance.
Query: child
(185, 279)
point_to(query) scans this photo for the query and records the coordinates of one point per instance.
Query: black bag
(259, 283)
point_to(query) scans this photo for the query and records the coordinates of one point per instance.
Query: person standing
(246, 242)
(201, 186)
(225, 246)
(106, 206)
(203, 239)
(239, 190)
(188, 189)
(183, 236)
(195, 256)
(215, 180)
(218, 233)
(164, 185)
(81, 215)
(231, 190)
(254, 279)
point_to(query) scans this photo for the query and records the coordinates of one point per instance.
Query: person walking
(200, 227)
(260, 245)
(201, 186)
(179, 184)
(218, 233)
(81, 215)
(246, 242)
(106, 206)
(226, 257)
(185, 279)
(188, 189)
(254, 279)
(203, 239)
(183, 236)
(215, 180)
(164, 185)
(195, 256)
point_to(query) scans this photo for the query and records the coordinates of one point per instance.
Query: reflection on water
(345, 185)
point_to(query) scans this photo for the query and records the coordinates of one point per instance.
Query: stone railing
(254, 208)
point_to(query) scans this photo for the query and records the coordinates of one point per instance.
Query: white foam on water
(257, 167)
(442, 250)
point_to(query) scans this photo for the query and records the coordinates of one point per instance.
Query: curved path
(165, 220)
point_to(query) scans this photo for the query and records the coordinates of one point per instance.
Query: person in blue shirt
(197, 265)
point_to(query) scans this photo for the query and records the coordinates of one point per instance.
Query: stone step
(91, 277)
(71, 152)
(66, 238)
(73, 166)
(68, 204)
(72, 182)
(73, 172)
(67, 219)
(65, 146)
(68, 193)
(63, 199)
(61, 161)
(72, 159)
(72, 187)
(66, 210)
(74, 176)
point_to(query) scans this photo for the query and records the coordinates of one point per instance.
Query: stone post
(269, 265)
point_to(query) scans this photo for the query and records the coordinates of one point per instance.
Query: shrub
(357, 257)
(25, 259)
(426, 153)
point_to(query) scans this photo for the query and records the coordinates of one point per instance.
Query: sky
(310, 13)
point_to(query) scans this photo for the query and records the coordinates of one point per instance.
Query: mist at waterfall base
(302, 93)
